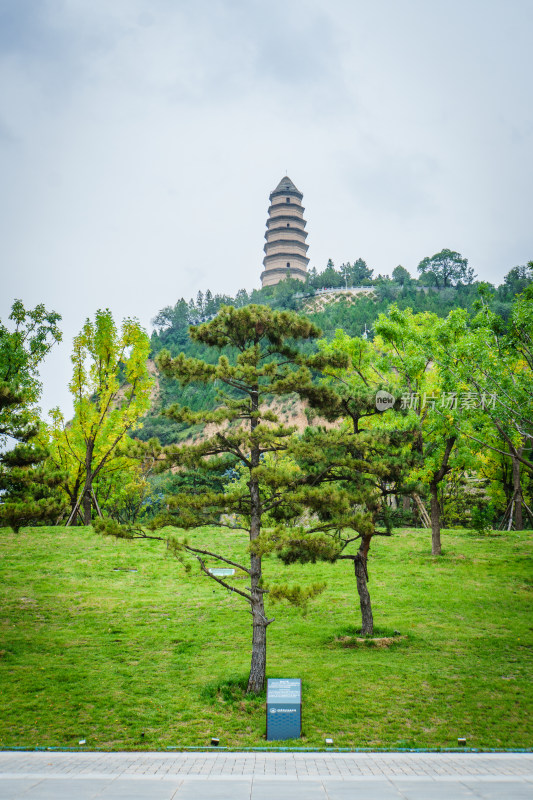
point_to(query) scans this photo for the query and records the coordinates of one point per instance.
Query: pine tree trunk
(435, 521)
(361, 576)
(257, 678)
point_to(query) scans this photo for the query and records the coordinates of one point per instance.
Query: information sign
(284, 708)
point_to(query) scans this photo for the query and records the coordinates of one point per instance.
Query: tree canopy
(447, 268)
(247, 433)
(111, 388)
(28, 487)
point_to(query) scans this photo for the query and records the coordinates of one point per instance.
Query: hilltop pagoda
(285, 248)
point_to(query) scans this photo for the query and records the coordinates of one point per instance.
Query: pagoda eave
(288, 206)
(299, 231)
(289, 192)
(277, 242)
(292, 218)
(299, 273)
(285, 256)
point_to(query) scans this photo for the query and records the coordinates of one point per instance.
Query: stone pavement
(265, 776)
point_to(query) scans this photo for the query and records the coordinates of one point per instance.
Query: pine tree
(268, 364)
(27, 485)
(31, 487)
(363, 460)
(361, 273)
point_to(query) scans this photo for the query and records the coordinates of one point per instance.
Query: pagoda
(285, 248)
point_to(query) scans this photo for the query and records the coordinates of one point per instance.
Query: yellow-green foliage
(111, 389)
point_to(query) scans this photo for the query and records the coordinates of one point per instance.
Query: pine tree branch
(196, 550)
(227, 586)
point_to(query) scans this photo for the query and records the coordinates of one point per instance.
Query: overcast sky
(140, 139)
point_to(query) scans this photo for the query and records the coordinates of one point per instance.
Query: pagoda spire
(285, 248)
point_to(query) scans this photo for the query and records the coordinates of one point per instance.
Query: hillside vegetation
(324, 300)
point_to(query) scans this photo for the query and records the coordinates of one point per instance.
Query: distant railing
(343, 289)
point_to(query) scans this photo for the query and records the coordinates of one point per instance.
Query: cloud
(139, 141)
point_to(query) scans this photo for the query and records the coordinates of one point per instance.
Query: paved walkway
(265, 776)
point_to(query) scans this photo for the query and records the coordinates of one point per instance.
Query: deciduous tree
(447, 268)
(408, 344)
(111, 388)
(493, 361)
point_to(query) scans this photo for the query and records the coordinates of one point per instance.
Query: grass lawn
(106, 640)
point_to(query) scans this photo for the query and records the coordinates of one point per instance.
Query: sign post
(284, 709)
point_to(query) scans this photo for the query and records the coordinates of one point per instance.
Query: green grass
(91, 652)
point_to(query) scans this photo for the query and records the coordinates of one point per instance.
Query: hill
(330, 306)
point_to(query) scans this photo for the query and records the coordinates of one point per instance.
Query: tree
(356, 274)
(284, 294)
(312, 276)
(28, 488)
(176, 316)
(409, 343)
(21, 352)
(447, 268)
(111, 387)
(346, 272)
(241, 298)
(401, 275)
(120, 487)
(361, 273)
(517, 280)
(493, 361)
(361, 461)
(123, 489)
(330, 278)
(268, 363)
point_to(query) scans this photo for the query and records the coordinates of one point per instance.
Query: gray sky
(139, 141)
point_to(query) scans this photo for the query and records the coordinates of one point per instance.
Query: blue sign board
(284, 708)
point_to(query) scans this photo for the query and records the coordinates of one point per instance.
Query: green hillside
(325, 290)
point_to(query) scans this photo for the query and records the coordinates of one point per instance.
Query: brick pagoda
(285, 248)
